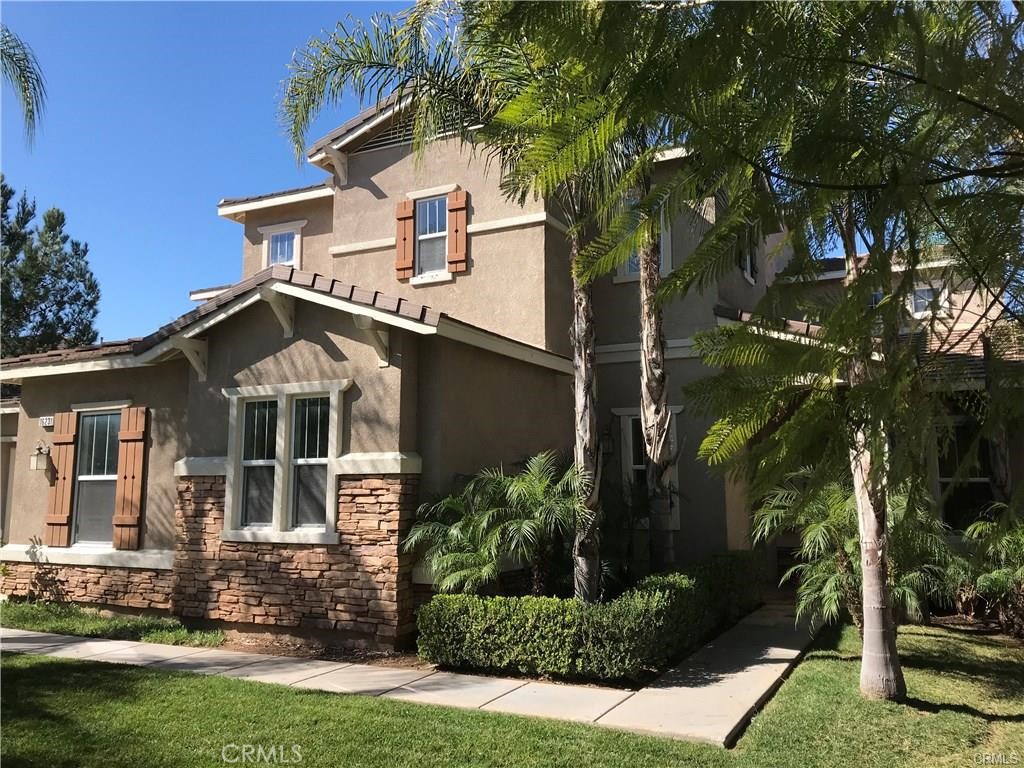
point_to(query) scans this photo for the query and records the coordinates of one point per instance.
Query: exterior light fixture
(40, 458)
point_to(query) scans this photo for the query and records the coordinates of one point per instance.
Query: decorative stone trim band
(151, 559)
(210, 466)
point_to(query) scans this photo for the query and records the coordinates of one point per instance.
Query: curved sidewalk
(709, 697)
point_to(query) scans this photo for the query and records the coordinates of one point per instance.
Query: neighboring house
(399, 327)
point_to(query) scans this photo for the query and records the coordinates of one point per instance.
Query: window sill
(265, 536)
(80, 554)
(433, 277)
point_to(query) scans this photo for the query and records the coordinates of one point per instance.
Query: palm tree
(501, 520)
(461, 75)
(22, 73)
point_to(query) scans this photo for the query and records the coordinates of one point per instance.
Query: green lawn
(70, 619)
(968, 701)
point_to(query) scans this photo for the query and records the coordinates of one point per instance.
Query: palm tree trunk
(881, 676)
(655, 417)
(586, 450)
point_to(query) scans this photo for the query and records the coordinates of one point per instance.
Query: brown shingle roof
(268, 195)
(798, 327)
(90, 352)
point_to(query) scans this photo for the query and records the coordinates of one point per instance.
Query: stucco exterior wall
(478, 409)
(249, 349)
(317, 234)
(161, 388)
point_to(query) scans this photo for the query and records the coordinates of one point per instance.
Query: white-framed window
(96, 477)
(747, 246)
(875, 300)
(282, 244)
(630, 271)
(431, 247)
(284, 442)
(632, 453)
(926, 300)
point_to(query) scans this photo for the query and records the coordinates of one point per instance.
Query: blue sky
(155, 112)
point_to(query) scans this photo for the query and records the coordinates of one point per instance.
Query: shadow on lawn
(32, 695)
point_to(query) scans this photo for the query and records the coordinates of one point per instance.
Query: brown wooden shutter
(405, 237)
(62, 492)
(457, 242)
(131, 451)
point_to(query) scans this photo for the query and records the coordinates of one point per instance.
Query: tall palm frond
(21, 71)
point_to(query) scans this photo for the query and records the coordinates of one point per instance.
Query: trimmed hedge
(629, 638)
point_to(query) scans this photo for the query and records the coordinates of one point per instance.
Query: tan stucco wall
(161, 388)
(317, 234)
(249, 349)
(478, 409)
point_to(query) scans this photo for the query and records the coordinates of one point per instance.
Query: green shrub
(629, 638)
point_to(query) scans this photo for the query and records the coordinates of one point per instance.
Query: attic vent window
(398, 133)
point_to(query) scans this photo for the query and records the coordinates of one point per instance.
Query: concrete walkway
(710, 697)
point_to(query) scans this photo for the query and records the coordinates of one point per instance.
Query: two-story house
(399, 326)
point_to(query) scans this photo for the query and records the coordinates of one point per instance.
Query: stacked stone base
(136, 588)
(360, 589)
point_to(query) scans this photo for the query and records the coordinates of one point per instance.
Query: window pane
(431, 216)
(310, 494)
(639, 453)
(923, 298)
(431, 256)
(257, 495)
(94, 513)
(309, 439)
(97, 443)
(282, 248)
(259, 436)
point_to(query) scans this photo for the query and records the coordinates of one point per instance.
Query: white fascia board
(353, 308)
(671, 154)
(675, 349)
(9, 409)
(476, 337)
(205, 294)
(234, 209)
(151, 559)
(82, 366)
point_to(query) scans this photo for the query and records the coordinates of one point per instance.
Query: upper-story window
(431, 237)
(927, 299)
(746, 251)
(875, 300)
(630, 271)
(282, 244)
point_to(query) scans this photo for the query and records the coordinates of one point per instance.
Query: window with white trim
(630, 271)
(283, 446)
(96, 477)
(282, 244)
(634, 452)
(431, 254)
(747, 246)
(928, 299)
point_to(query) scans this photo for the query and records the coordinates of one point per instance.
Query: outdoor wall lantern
(40, 458)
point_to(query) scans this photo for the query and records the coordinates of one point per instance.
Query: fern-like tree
(500, 521)
(21, 71)
(881, 128)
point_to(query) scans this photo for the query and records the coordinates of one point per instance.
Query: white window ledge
(432, 277)
(152, 559)
(201, 465)
(267, 536)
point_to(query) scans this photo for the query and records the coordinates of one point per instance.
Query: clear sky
(155, 112)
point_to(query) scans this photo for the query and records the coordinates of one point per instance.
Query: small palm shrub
(998, 559)
(829, 571)
(499, 521)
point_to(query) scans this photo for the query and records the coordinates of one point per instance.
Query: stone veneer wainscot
(361, 588)
(102, 585)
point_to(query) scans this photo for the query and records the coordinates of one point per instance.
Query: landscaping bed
(627, 640)
(71, 619)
